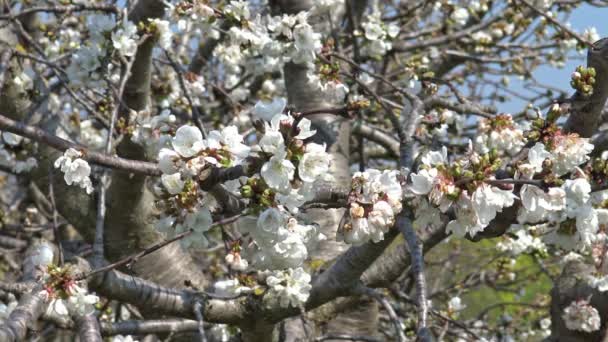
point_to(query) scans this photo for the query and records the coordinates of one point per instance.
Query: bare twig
(55, 223)
(133, 258)
(405, 227)
(363, 290)
(58, 143)
(98, 248)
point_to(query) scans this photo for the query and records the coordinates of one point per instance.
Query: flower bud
(247, 191)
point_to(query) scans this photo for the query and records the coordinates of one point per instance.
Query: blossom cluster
(105, 35)
(9, 159)
(75, 170)
(523, 241)
(582, 316)
(378, 35)
(567, 205)
(63, 294)
(555, 191)
(500, 133)
(187, 206)
(285, 171)
(290, 167)
(461, 185)
(373, 203)
(291, 286)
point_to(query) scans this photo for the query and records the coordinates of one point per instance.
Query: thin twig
(37, 134)
(196, 115)
(556, 23)
(133, 258)
(363, 290)
(405, 227)
(98, 248)
(55, 224)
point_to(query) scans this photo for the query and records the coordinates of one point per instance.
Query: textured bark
(129, 229)
(164, 300)
(30, 307)
(88, 328)
(131, 214)
(148, 327)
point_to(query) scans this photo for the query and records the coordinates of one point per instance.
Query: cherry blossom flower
(268, 110)
(188, 141)
(173, 183)
(292, 286)
(581, 316)
(125, 38)
(278, 171)
(314, 162)
(76, 170)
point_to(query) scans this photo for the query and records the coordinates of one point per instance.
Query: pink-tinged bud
(576, 75)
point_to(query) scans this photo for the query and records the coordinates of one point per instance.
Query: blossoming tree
(277, 171)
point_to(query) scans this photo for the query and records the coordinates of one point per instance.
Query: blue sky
(581, 18)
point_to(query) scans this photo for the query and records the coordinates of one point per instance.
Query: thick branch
(30, 307)
(88, 328)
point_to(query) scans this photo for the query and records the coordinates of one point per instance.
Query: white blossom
(537, 155)
(523, 242)
(238, 9)
(57, 307)
(278, 171)
(569, 151)
(168, 161)
(460, 16)
(581, 316)
(292, 287)
(314, 162)
(272, 141)
(455, 304)
(304, 131)
(76, 170)
(591, 34)
(268, 110)
(188, 141)
(199, 221)
(423, 181)
(125, 38)
(236, 262)
(600, 282)
(173, 183)
(164, 32)
(381, 193)
(81, 302)
(307, 42)
(488, 200)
